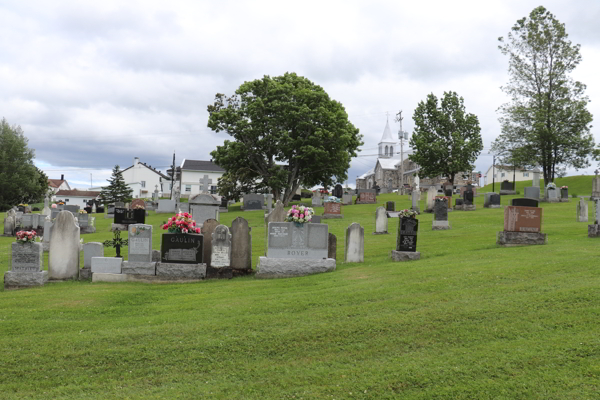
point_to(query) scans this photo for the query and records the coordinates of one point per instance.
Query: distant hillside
(579, 185)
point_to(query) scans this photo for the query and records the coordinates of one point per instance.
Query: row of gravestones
(16, 221)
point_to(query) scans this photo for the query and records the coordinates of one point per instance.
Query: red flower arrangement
(181, 223)
(26, 236)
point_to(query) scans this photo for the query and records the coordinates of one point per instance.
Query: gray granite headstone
(317, 201)
(536, 177)
(73, 209)
(83, 220)
(203, 207)
(415, 196)
(221, 247)
(139, 248)
(347, 199)
(9, 225)
(254, 202)
(241, 245)
(270, 202)
(355, 243)
(63, 260)
(207, 230)
(166, 206)
(27, 221)
(332, 246)
(27, 257)
(431, 193)
(551, 194)
(381, 221)
(532, 192)
(91, 249)
(582, 210)
(304, 241)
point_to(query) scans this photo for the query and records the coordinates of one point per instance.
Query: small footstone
(405, 255)
(15, 280)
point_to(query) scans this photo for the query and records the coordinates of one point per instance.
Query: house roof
(150, 168)
(200, 165)
(55, 183)
(77, 193)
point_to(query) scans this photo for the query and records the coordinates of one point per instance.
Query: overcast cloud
(94, 84)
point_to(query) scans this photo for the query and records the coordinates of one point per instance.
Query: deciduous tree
(286, 132)
(446, 139)
(546, 122)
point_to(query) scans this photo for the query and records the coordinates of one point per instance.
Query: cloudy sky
(94, 84)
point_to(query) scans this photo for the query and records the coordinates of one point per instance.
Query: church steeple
(387, 143)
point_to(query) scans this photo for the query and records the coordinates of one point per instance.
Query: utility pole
(402, 136)
(173, 174)
(494, 174)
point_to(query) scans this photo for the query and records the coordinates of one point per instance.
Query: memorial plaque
(27, 257)
(182, 248)
(305, 241)
(407, 234)
(333, 208)
(522, 219)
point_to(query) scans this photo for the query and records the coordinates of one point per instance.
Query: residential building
(143, 179)
(506, 173)
(76, 197)
(191, 175)
(58, 184)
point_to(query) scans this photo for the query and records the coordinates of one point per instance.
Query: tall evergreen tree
(117, 190)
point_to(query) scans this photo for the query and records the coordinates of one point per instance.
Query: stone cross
(205, 182)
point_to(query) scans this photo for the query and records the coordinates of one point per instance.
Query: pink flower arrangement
(181, 223)
(26, 236)
(299, 214)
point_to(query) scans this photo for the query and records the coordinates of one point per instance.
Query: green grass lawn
(578, 185)
(470, 320)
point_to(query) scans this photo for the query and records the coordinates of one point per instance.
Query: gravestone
(595, 187)
(431, 193)
(106, 265)
(46, 210)
(594, 229)
(440, 214)
(458, 204)
(338, 191)
(507, 188)
(73, 209)
(415, 196)
(241, 246)
(381, 222)
(90, 249)
(582, 211)
(204, 207)
(332, 210)
(167, 206)
(181, 248)
(536, 177)
(124, 216)
(253, 202)
(355, 244)
(495, 201)
(54, 213)
(564, 194)
(221, 254)
(277, 215)
(47, 233)
(207, 231)
(347, 199)
(26, 266)
(224, 204)
(406, 240)
(522, 226)
(532, 192)
(139, 248)
(295, 250)
(468, 195)
(83, 220)
(183, 208)
(63, 260)
(366, 196)
(551, 195)
(269, 203)
(316, 201)
(316, 219)
(137, 204)
(9, 226)
(390, 206)
(27, 222)
(524, 202)
(448, 189)
(332, 246)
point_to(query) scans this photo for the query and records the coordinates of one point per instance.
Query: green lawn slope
(578, 185)
(470, 320)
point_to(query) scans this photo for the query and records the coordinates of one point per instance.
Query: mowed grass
(470, 320)
(578, 185)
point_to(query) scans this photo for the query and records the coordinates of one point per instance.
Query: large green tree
(286, 133)
(546, 122)
(20, 180)
(446, 139)
(117, 190)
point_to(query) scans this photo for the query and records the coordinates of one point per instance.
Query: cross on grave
(117, 242)
(596, 172)
(205, 182)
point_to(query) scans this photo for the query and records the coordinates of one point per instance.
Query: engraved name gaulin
(183, 240)
(297, 253)
(528, 229)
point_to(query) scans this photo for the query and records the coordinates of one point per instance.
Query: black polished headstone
(338, 191)
(125, 216)
(525, 202)
(407, 234)
(468, 196)
(506, 185)
(459, 202)
(495, 199)
(390, 206)
(182, 248)
(440, 210)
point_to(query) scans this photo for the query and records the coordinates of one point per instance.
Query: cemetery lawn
(470, 320)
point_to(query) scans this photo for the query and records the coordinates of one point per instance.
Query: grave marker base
(507, 192)
(405, 255)
(18, 280)
(440, 225)
(292, 267)
(510, 239)
(332, 216)
(138, 268)
(85, 273)
(219, 273)
(593, 231)
(172, 270)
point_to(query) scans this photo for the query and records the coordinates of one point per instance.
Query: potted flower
(182, 243)
(299, 215)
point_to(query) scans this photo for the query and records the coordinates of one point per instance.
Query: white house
(76, 197)
(58, 184)
(505, 173)
(191, 176)
(143, 179)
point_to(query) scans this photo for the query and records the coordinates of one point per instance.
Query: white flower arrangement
(299, 214)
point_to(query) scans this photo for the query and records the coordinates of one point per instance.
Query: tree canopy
(446, 139)
(117, 190)
(286, 133)
(20, 180)
(546, 122)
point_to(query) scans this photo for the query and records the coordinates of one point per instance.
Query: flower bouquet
(138, 207)
(333, 199)
(26, 236)
(82, 212)
(181, 223)
(564, 187)
(551, 185)
(406, 213)
(299, 215)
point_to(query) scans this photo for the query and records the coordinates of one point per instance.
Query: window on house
(525, 174)
(502, 176)
(188, 188)
(143, 184)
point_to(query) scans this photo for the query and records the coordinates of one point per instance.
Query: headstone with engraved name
(406, 240)
(221, 247)
(347, 199)
(139, 243)
(390, 206)
(167, 206)
(295, 250)
(524, 202)
(316, 201)
(532, 192)
(207, 231)
(182, 248)
(522, 226)
(551, 195)
(367, 196)
(26, 267)
(332, 210)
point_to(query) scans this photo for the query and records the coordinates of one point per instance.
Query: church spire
(387, 143)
